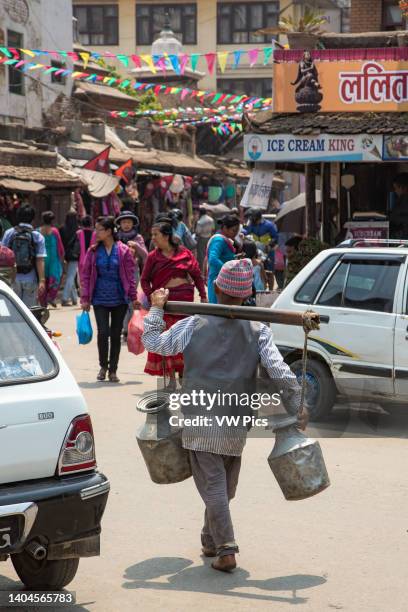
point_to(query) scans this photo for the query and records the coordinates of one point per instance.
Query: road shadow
(183, 576)
(15, 586)
(102, 385)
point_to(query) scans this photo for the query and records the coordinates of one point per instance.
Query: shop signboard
(395, 147)
(258, 190)
(367, 230)
(311, 85)
(321, 148)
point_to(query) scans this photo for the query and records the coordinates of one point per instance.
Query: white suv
(362, 351)
(52, 498)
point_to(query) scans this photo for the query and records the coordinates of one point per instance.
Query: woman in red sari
(174, 267)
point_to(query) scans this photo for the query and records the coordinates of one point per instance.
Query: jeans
(70, 291)
(27, 292)
(216, 478)
(109, 321)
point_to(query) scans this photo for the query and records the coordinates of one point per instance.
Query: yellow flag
(222, 59)
(149, 61)
(85, 57)
(28, 52)
(106, 79)
(35, 66)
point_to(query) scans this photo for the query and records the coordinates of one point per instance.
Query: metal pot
(297, 462)
(160, 444)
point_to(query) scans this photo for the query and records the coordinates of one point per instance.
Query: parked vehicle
(52, 497)
(362, 352)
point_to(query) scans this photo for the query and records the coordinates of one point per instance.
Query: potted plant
(302, 34)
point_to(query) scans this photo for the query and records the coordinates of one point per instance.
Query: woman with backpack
(70, 241)
(53, 261)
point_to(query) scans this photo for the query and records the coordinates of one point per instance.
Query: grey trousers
(216, 478)
(27, 292)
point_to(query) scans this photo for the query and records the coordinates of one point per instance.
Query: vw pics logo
(255, 148)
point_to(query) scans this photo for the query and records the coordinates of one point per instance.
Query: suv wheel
(53, 575)
(320, 388)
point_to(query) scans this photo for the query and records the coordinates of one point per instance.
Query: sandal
(102, 374)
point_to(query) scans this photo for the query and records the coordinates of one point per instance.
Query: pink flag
(210, 59)
(137, 61)
(253, 56)
(184, 93)
(183, 62)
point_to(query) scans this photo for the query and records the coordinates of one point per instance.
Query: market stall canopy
(49, 178)
(291, 217)
(24, 186)
(216, 209)
(99, 184)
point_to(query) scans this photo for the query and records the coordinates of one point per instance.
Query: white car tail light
(78, 451)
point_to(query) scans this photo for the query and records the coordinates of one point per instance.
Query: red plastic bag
(135, 331)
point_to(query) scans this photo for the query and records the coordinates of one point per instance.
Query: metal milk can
(297, 462)
(160, 444)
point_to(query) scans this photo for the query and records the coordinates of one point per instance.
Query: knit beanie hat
(235, 278)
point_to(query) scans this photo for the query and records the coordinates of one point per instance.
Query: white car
(52, 497)
(362, 351)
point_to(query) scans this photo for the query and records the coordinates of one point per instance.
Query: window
(16, 78)
(307, 293)
(97, 24)
(364, 285)
(261, 88)
(392, 16)
(58, 78)
(150, 19)
(23, 356)
(238, 22)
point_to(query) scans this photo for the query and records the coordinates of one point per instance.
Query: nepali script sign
(258, 190)
(321, 148)
(340, 86)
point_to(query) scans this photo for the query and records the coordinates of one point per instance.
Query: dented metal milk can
(160, 444)
(297, 462)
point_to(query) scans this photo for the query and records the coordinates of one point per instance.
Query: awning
(99, 184)
(16, 185)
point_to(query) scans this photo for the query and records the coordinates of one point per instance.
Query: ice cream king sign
(324, 147)
(344, 80)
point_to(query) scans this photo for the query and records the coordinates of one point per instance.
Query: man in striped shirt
(221, 357)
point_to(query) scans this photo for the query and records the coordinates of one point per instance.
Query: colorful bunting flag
(237, 58)
(149, 61)
(137, 61)
(267, 54)
(253, 56)
(222, 60)
(210, 59)
(194, 60)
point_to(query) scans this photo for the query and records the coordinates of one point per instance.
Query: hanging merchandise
(177, 184)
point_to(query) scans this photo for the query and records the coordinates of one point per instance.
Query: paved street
(345, 549)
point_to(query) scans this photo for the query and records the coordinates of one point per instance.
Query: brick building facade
(376, 15)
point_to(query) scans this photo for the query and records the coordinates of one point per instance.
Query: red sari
(157, 272)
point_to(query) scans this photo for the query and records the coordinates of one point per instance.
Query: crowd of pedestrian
(110, 267)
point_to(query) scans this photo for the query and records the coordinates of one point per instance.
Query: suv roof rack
(373, 242)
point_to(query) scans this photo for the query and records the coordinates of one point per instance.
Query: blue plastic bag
(84, 328)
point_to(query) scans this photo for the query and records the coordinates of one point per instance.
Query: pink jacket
(126, 270)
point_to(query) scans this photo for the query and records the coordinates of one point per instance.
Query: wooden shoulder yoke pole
(265, 315)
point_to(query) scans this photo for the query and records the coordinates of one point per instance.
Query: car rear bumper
(64, 514)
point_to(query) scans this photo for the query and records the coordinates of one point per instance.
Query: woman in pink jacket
(108, 284)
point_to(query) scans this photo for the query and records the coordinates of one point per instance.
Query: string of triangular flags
(177, 62)
(212, 97)
(188, 112)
